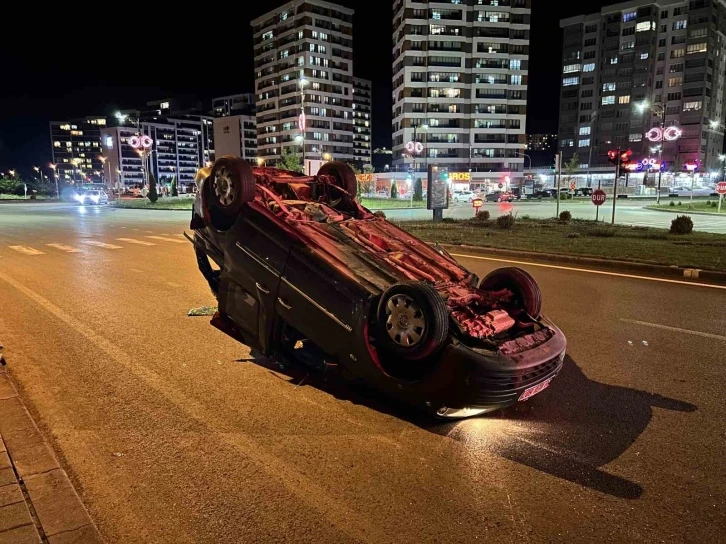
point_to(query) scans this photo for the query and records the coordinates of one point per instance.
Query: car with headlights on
(305, 274)
(92, 197)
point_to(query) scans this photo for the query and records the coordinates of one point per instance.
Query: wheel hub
(223, 187)
(405, 321)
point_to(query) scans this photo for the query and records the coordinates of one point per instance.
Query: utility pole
(558, 174)
(615, 186)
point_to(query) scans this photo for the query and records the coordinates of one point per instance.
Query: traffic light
(613, 156)
(625, 159)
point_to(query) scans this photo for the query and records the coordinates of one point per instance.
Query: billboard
(437, 197)
(227, 136)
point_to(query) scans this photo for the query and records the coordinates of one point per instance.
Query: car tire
(519, 282)
(413, 320)
(230, 185)
(343, 174)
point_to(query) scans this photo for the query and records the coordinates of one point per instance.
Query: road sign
(598, 197)
(573, 186)
(721, 187)
(477, 203)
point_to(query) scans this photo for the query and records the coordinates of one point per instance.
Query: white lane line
(63, 247)
(342, 515)
(675, 329)
(101, 244)
(26, 250)
(164, 239)
(137, 242)
(616, 274)
(172, 284)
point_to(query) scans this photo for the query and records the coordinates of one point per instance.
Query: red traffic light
(613, 156)
(625, 156)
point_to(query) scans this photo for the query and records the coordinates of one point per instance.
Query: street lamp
(37, 169)
(659, 111)
(327, 157)
(12, 173)
(55, 179)
(260, 162)
(303, 81)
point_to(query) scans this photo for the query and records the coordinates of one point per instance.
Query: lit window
(569, 81)
(568, 143)
(589, 67)
(517, 80)
(636, 137)
(568, 69)
(164, 105)
(267, 35)
(627, 45)
(692, 106)
(643, 56)
(515, 64)
(614, 60)
(645, 26)
(608, 100)
(584, 142)
(624, 99)
(675, 82)
(680, 25)
(697, 48)
(608, 87)
(629, 16)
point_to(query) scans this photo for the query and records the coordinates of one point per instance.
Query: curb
(684, 212)
(37, 500)
(623, 266)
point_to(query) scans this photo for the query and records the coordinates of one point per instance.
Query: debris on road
(203, 311)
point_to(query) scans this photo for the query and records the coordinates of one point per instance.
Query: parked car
(686, 191)
(464, 196)
(305, 274)
(92, 197)
(583, 191)
(499, 196)
(547, 192)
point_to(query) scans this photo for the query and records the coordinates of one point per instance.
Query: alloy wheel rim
(223, 187)
(405, 321)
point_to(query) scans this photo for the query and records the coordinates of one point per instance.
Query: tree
(418, 190)
(153, 196)
(8, 185)
(394, 190)
(571, 168)
(290, 160)
(174, 189)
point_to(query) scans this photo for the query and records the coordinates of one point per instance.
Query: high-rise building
(362, 123)
(634, 70)
(304, 45)
(180, 145)
(76, 149)
(541, 142)
(460, 85)
(235, 126)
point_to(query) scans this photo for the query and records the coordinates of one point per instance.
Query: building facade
(235, 126)
(76, 149)
(636, 69)
(180, 146)
(362, 123)
(460, 85)
(541, 142)
(304, 45)
(235, 104)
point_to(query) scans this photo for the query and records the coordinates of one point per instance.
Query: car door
(255, 256)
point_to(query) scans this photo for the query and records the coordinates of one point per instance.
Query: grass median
(169, 203)
(583, 239)
(707, 206)
(390, 203)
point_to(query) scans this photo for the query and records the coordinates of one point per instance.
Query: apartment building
(303, 55)
(634, 70)
(362, 123)
(76, 149)
(460, 85)
(235, 126)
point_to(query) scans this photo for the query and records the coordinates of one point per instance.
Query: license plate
(532, 391)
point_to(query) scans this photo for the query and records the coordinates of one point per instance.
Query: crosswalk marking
(63, 247)
(102, 244)
(137, 242)
(26, 250)
(167, 239)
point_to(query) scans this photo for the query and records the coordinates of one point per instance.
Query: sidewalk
(37, 500)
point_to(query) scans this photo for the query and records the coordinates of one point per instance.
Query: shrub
(572, 235)
(672, 204)
(449, 220)
(483, 215)
(394, 191)
(565, 216)
(682, 225)
(153, 196)
(602, 232)
(505, 221)
(526, 216)
(418, 190)
(174, 190)
(709, 203)
(680, 203)
(380, 213)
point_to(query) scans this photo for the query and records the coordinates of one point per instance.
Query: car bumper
(475, 379)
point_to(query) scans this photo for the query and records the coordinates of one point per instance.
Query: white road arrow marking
(137, 242)
(25, 250)
(102, 244)
(63, 247)
(167, 239)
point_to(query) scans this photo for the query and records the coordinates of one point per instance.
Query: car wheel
(343, 175)
(499, 199)
(230, 185)
(519, 282)
(413, 320)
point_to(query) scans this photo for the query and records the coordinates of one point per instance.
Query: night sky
(87, 61)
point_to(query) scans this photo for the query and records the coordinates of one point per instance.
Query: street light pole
(55, 179)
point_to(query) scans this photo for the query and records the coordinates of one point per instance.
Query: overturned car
(303, 272)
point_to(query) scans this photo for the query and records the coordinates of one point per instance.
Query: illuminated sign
(460, 176)
(365, 177)
(691, 166)
(414, 147)
(137, 142)
(670, 134)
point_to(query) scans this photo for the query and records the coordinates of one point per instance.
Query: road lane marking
(675, 329)
(340, 514)
(137, 242)
(167, 239)
(26, 250)
(63, 247)
(601, 272)
(172, 284)
(101, 244)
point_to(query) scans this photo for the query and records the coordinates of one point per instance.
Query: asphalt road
(174, 433)
(626, 213)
